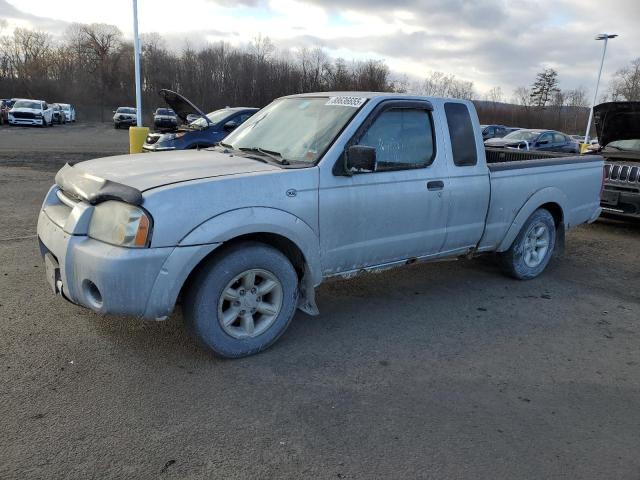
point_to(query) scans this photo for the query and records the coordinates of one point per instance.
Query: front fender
(535, 201)
(250, 220)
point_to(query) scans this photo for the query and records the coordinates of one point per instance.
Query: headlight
(121, 224)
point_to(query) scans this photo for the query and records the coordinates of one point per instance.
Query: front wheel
(240, 301)
(532, 249)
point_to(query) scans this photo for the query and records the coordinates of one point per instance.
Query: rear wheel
(532, 249)
(239, 302)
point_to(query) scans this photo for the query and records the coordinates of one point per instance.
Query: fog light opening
(92, 294)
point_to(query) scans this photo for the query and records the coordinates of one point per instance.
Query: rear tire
(532, 249)
(241, 300)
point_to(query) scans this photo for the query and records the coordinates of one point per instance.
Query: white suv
(31, 112)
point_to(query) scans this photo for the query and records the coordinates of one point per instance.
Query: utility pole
(605, 37)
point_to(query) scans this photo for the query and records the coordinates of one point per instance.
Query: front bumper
(623, 201)
(26, 121)
(110, 279)
(156, 148)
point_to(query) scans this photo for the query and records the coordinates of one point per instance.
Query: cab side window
(403, 139)
(463, 138)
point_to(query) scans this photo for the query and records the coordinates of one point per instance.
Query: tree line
(91, 66)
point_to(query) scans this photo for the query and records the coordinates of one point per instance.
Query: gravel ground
(446, 370)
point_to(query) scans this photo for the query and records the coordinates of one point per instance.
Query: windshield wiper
(273, 155)
(226, 145)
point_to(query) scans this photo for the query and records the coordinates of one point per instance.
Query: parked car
(313, 186)
(69, 111)
(59, 116)
(124, 117)
(493, 131)
(205, 131)
(4, 111)
(31, 112)
(618, 127)
(165, 119)
(534, 139)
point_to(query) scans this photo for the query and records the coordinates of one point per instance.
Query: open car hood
(617, 121)
(181, 105)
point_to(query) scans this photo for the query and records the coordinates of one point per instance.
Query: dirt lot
(446, 370)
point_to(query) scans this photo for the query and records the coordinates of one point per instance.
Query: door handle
(435, 185)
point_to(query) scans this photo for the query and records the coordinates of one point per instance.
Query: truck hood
(181, 105)
(617, 121)
(120, 177)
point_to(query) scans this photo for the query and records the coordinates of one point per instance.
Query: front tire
(532, 249)
(240, 301)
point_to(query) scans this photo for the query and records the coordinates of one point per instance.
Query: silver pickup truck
(313, 186)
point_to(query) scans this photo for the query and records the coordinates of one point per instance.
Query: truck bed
(516, 177)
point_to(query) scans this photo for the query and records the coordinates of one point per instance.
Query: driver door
(399, 210)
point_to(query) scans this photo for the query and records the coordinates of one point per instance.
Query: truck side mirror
(360, 159)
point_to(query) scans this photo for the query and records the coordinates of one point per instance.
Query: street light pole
(136, 58)
(605, 37)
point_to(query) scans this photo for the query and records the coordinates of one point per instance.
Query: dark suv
(493, 131)
(618, 127)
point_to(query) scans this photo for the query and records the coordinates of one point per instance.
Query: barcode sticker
(347, 101)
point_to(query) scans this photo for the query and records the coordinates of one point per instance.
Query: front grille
(23, 115)
(622, 173)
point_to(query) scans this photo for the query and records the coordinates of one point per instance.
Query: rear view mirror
(360, 159)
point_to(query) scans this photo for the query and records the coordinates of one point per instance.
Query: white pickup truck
(310, 187)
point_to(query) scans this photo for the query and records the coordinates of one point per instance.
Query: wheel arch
(551, 199)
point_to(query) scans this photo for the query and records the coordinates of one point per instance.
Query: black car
(493, 131)
(165, 119)
(533, 139)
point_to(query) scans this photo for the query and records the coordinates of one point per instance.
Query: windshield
(624, 145)
(165, 111)
(27, 104)
(521, 135)
(214, 117)
(126, 110)
(300, 129)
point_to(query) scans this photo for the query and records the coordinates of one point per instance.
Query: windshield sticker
(347, 101)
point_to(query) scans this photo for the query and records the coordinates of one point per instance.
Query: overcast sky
(490, 42)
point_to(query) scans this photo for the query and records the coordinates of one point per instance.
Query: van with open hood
(618, 127)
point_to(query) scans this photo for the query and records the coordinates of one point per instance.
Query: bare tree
(626, 83)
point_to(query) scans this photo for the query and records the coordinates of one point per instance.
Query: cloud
(15, 17)
(490, 42)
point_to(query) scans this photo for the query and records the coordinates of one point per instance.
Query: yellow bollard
(584, 147)
(137, 135)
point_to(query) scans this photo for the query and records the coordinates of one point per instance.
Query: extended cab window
(402, 137)
(463, 139)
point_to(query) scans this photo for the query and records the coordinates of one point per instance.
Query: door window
(559, 138)
(403, 138)
(546, 139)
